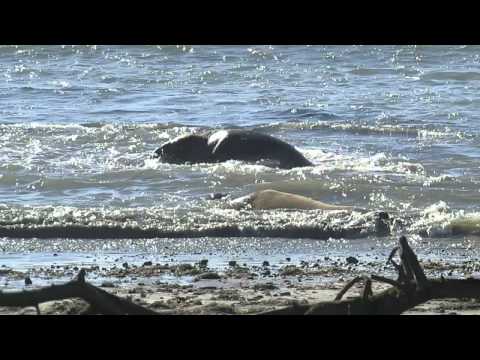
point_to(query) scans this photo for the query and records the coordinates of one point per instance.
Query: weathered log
(388, 302)
(411, 289)
(101, 301)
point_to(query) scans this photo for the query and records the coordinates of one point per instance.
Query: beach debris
(101, 302)
(410, 289)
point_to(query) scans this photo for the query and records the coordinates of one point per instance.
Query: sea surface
(391, 128)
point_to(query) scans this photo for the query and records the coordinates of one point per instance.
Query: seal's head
(183, 149)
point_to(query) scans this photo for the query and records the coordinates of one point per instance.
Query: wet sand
(236, 288)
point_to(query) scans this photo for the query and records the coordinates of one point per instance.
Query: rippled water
(391, 128)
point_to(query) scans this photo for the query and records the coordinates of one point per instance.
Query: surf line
(321, 231)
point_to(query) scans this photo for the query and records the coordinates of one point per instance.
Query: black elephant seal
(226, 145)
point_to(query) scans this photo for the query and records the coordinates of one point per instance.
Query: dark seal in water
(231, 145)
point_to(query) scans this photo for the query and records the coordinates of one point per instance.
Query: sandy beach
(237, 289)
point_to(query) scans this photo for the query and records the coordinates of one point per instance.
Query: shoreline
(234, 288)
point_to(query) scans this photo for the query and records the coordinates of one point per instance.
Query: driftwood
(410, 289)
(101, 302)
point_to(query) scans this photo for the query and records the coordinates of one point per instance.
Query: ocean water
(393, 128)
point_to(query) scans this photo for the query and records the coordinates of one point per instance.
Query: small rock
(55, 254)
(232, 263)
(352, 260)
(28, 281)
(288, 259)
(125, 265)
(147, 263)
(265, 263)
